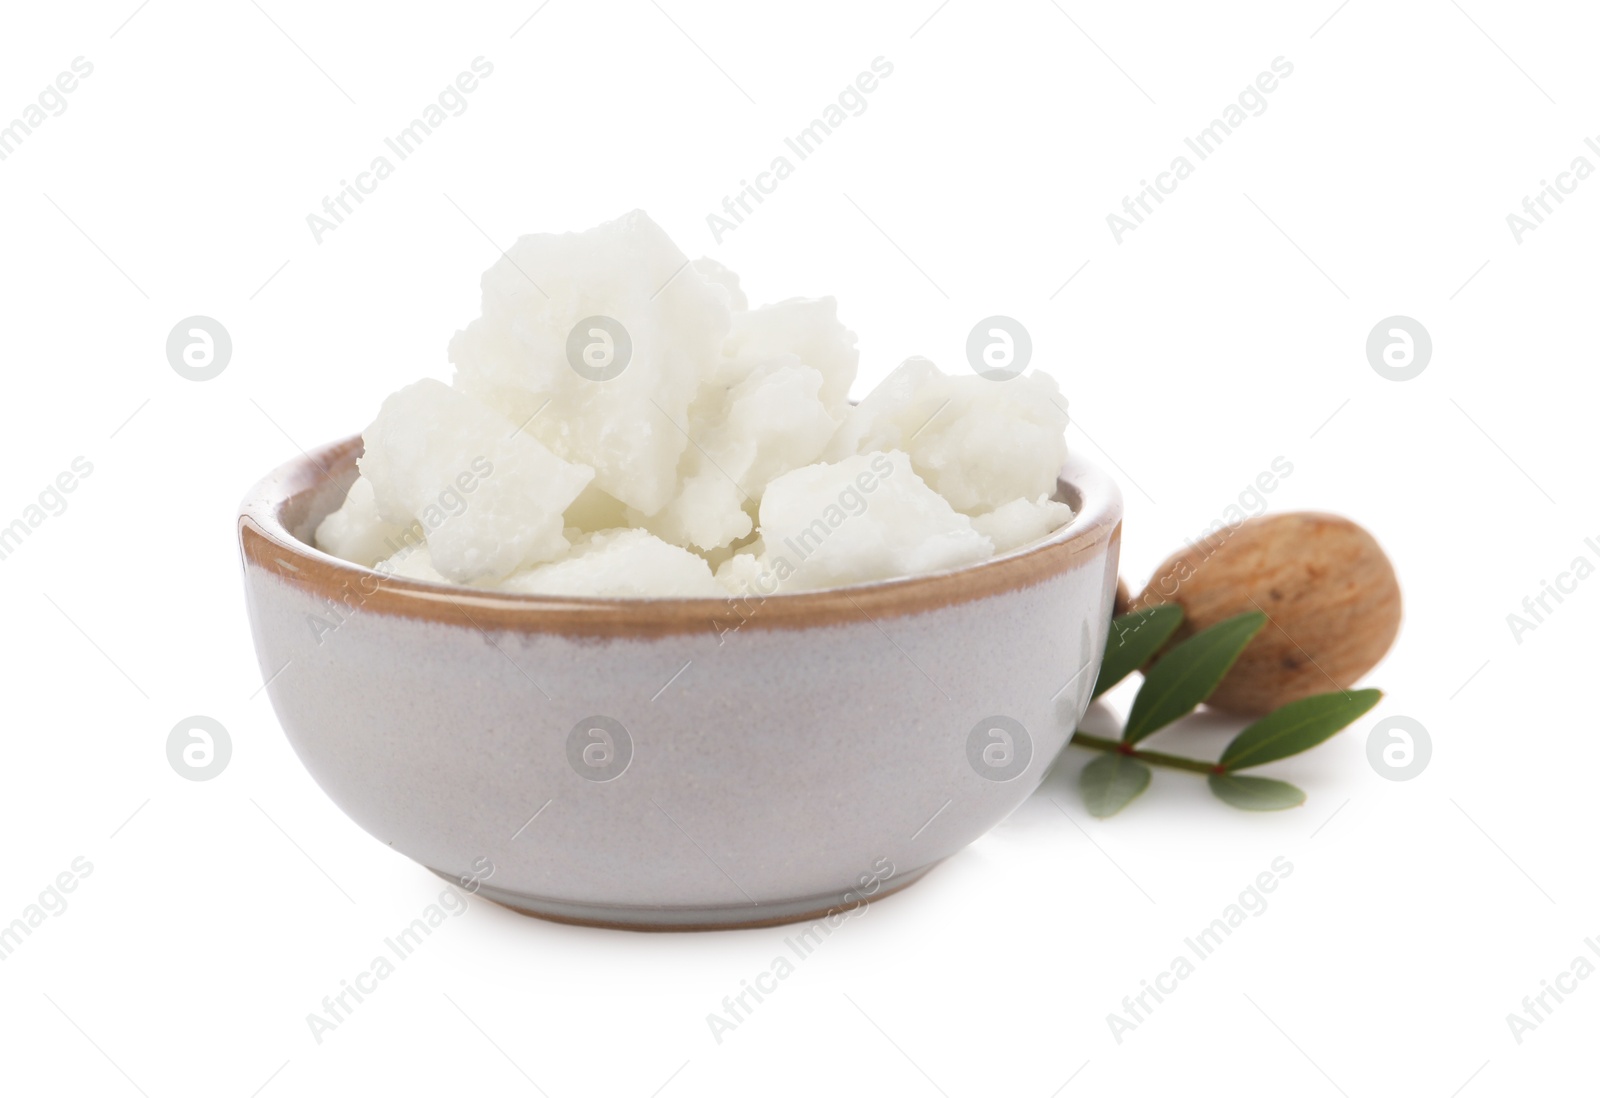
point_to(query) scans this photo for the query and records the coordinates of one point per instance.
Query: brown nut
(1122, 603)
(1329, 592)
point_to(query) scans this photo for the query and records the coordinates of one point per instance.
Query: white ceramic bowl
(677, 763)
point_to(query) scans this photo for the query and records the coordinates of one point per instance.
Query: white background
(1227, 330)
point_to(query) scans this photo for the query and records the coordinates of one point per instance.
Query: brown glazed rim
(283, 502)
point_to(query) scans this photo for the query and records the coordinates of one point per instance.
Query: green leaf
(1134, 639)
(1187, 675)
(1255, 794)
(1296, 727)
(1110, 782)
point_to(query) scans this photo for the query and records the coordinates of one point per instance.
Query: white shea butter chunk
(867, 517)
(808, 329)
(489, 498)
(743, 575)
(979, 443)
(767, 424)
(707, 513)
(356, 532)
(773, 421)
(668, 322)
(622, 424)
(1022, 521)
(413, 563)
(620, 564)
(718, 275)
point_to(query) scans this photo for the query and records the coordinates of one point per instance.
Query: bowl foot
(718, 917)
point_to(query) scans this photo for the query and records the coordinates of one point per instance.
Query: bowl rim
(282, 500)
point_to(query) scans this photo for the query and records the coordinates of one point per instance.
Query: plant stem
(1154, 758)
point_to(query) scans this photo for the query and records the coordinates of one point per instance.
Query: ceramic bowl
(676, 763)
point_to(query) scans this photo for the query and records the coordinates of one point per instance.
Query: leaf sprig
(1179, 681)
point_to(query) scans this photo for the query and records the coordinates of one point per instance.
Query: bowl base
(719, 917)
